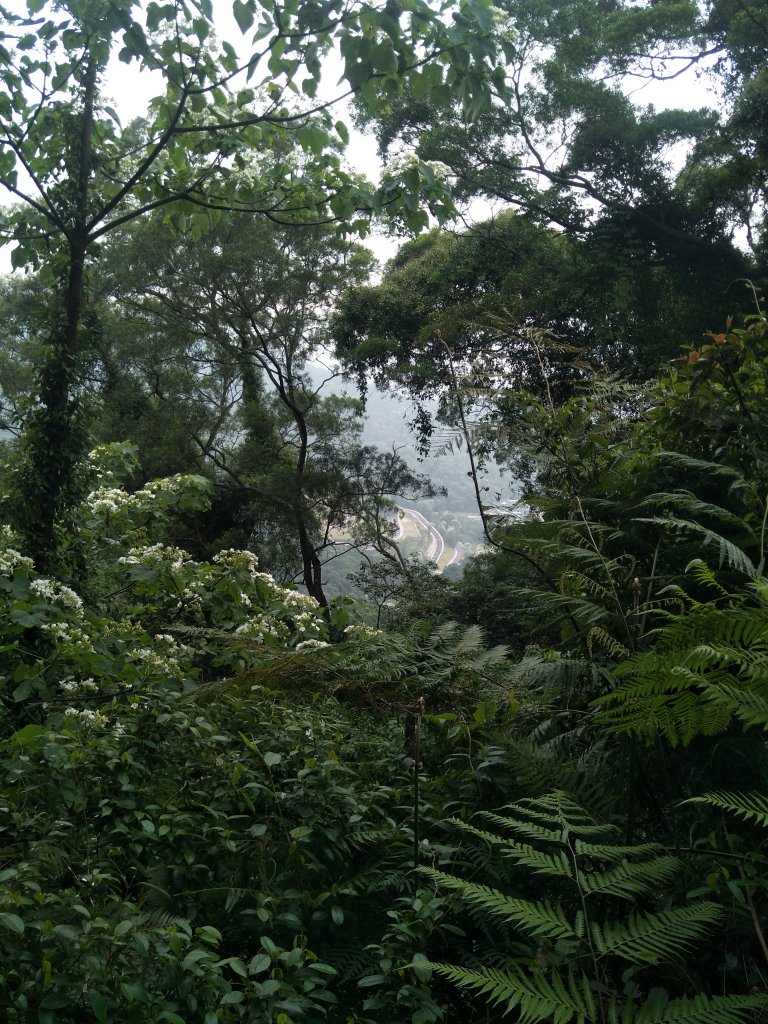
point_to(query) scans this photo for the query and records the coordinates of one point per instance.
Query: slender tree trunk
(55, 439)
(312, 566)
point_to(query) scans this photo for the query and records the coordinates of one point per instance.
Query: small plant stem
(420, 709)
(748, 891)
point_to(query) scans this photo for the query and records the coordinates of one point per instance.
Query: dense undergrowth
(218, 803)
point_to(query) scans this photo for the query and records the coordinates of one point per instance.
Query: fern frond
(740, 702)
(749, 806)
(543, 671)
(686, 501)
(655, 938)
(702, 1009)
(629, 880)
(680, 460)
(537, 997)
(728, 552)
(539, 919)
(543, 832)
(556, 864)
(598, 635)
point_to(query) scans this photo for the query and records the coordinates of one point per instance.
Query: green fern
(729, 553)
(539, 919)
(567, 956)
(751, 807)
(538, 998)
(707, 668)
(703, 1010)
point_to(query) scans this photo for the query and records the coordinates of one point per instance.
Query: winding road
(437, 545)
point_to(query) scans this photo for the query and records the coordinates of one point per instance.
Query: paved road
(458, 553)
(437, 546)
(400, 527)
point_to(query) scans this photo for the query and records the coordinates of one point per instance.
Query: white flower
(11, 560)
(72, 687)
(311, 645)
(262, 629)
(86, 717)
(233, 558)
(362, 630)
(440, 170)
(56, 593)
(65, 633)
(292, 599)
(152, 662)
(108, 500)
(401, 162)
(155, 556)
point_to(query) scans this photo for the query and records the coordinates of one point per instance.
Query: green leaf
(12, 922)
(260, 962)
(23, 690)
(99, 1005)
(28, 735)
(244, 13)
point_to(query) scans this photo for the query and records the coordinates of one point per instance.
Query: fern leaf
(539, 999)
(542, 862)
(629, 880)
(540, 919)
(728, 552)
(702, 1009)
(654, 938)
(749, 806)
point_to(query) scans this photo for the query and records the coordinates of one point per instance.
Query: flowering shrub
(177, 836)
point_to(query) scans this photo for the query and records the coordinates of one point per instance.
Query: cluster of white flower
(407, 160)
(108, 500)
(8, 537)
(362, 630)
(265, 577)
(292, 599)
(262, 629)
(307, 623)
(86, 717)
(155, 555)
(56, 593)
(311, 645)
(168, 483)
(503, 26)
(11, 560)
(153, 663)
(172, 647)
(124, 629)
(76, 686)
(66, 633)
(192, 593)
(401, 162)
(233, 558)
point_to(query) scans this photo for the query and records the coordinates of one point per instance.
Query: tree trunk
(55, 436)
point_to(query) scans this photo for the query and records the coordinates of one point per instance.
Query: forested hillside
(521, 774)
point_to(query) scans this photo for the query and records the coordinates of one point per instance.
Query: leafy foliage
(564, 965)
